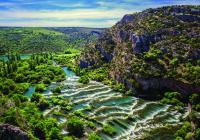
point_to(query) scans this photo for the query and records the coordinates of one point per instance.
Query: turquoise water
(30, 91)
(68, 72)
(111, 106)
(23, 56)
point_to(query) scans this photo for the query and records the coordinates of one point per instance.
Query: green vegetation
(33, 40)
(84, 80)
(57, 89)
(16, 76)
(172, 98)
(150, 54)
(98, 74)
(94, 136)
(40, 87)
(18, 111)
(108, 129)
(75, 126)
(173, 55)
(184, 132)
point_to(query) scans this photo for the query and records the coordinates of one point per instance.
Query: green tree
(84, 79)
(40, 87)
(36, 97)
(108, 129)
(54, 134)
(75, 126)
(43, 104)
(94, 136)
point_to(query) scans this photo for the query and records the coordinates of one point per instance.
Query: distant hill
(80, 36)
(28, 40)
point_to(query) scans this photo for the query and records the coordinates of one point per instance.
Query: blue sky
(68, 13)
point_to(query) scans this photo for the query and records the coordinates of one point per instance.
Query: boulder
(10, 132)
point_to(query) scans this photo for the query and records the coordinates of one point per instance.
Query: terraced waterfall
(132, 117)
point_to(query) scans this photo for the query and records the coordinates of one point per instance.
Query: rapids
(131, 116)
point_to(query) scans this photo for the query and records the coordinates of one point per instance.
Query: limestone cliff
(9, 132)
(162, 43)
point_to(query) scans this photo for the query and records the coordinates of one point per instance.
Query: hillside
(153, 51)
(80, 36)
(28, 40)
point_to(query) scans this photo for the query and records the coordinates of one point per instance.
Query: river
(109, 104)
(132, 117)
(22, 56)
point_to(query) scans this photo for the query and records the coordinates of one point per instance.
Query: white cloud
(66, 14)
(75, 23)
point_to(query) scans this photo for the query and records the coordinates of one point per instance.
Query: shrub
(21, 88)
(36, 97)
(18, 98)
(43, 104)
(109, 130)
(75, 126)
(84, 80)
(184, 130)
(40, 130)
(91, 125)
(40, 87)
(188, 136)
(194, 98)
(119, 87)
(197, 134)
(57, 89)
(94, 136)
(68, 138)
(46, 81)
(54, 134)
(20, 78)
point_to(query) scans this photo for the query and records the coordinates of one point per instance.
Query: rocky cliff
(9, 132)
(162, 43)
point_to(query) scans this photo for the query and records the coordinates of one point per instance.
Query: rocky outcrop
(188, 18)
(108, 57)
(152, 85)
(122, 35)
(9, 132)
(161, 42)
(140, 43)
(127, 18)
(85, 64)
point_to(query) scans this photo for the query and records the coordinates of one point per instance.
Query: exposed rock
(140, 43)
(108, 57)
(122, 35)
(169, 36)
(9, 132)
(85, 64)
(188, 18)
(127, 18)
(150, 85)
